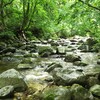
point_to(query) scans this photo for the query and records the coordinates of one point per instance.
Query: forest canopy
(50, 18)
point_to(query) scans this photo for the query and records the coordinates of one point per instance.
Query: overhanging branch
(8, 3)
(90, 5)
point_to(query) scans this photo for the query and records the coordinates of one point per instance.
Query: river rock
(34, 55)
(31, 47)
(73, 40)
(92, 80)
(24, 66)
(68, 77)
(2, 46)
(54, 43)
(52, 67)
(90, 41)
(45, 50)
(98, 62)
(98, 56)
(95, 90)
(72, 58)
(11, 60)
(61, 50)
(79, 92)
(14, 78)
(9, 49)
(6, 92)
(57, 93)
(79, 63)
(84, 47)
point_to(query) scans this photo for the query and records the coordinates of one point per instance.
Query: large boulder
(95, 90)
(79, 92)
(67, 93)
(14, 78)
(6, 92)
(93, 80)
(79, 75)
(87, 46)
(45, 50)
(68, 77)
(57, 93)
(72, 58)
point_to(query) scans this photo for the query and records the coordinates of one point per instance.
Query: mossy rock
(6, 92)
(52, 67)
(79, 92)
(72, 58)
(14, 78)
(80, 63)
(45, 51)
(95, 90)
(57, 93)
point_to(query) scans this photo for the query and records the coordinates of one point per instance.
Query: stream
(54, 64)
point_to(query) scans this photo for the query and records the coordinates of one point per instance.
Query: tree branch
(90, 5)
(8, 3)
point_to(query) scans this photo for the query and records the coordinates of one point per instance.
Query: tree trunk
(2, 14)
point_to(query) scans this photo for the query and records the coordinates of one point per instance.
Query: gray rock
(67, 93)
(61, 50)
(14, 78)
(45, 50)
(68, 77)
(24, 66)
(72, 58)
(57, 93)
(92, 81)
(79, 75)
(80, 63)
(98, 62)
(52, 67)
(90, 41)
(79, 92)
(6, 92)
(11, 60)
(2, 46)
(34, 55)
(95, 90)
(9, 49)
(84, 48)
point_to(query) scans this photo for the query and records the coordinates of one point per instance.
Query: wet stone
(14, 78)
(6, 92)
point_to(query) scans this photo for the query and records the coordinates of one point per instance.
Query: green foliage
(7, 35)
(56, 18)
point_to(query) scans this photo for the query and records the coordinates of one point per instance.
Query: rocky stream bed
(63, 69)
